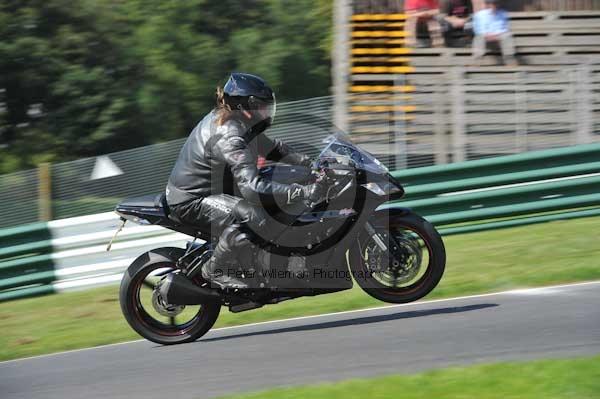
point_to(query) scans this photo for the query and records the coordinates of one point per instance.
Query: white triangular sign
(105, 167)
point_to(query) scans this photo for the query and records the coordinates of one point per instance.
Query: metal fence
(19, 198)
(145, 170)
(449, 117)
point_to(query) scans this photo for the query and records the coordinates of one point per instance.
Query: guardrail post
(400, 125)
(342, 12)
(440, 144)
(521, 111)
(583, 102)
(458, 114)
(44, 192)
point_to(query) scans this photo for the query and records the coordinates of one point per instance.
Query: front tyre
(148, 314)
(411, 267)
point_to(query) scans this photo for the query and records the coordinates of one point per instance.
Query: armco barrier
(459, 198)
(490, 169)
(513, 186)
(25, 261)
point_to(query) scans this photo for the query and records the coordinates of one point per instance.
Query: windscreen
(340, 146)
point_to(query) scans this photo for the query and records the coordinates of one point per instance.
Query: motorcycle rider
(219, 160)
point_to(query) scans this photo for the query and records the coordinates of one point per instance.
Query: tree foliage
(84, 77)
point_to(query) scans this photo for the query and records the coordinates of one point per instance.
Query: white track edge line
(517, 290)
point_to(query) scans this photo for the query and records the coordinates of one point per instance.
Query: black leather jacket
(223, 160)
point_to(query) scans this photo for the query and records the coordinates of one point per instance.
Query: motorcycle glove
(311, 193)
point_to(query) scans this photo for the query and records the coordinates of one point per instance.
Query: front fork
(393, 253)
(376, 237)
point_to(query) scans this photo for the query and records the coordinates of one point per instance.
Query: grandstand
(436, 107)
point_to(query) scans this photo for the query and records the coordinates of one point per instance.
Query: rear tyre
(410, 269)
(145, 311)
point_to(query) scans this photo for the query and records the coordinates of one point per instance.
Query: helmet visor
(264, 109)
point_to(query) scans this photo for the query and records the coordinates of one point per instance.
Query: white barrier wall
(80, 255)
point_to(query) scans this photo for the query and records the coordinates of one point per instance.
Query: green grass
(548, 379)
(544, 254)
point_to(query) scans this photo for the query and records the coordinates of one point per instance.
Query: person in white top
(491, 25)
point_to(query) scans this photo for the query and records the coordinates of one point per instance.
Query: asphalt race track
(560, 321)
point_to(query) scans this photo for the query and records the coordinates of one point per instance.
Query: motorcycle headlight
(381, 188)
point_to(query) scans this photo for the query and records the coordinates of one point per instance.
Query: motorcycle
(393, 254)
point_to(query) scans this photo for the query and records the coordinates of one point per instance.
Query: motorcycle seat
(146, 201)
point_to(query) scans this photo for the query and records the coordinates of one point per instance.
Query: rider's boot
(222, 267)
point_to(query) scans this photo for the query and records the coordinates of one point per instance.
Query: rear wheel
(409, 269)
(146, 311)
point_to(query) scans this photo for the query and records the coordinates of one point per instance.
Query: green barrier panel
(505, 196)
(428, 190)
(30, 243)
(24, 234)
(31, 264)
(28, 279)
(25, 260)
(515, 209)
(500, 165)
(519, 222)
(39, 247)
(26, 292)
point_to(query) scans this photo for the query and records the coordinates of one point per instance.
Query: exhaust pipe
(177, 289)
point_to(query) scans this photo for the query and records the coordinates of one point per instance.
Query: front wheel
(146, 311)
(411, 265)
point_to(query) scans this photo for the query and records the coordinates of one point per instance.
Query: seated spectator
(455, 17)
(422, 11)
(478, 5)
(491, 26)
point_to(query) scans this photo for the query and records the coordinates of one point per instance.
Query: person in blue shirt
(491, 25)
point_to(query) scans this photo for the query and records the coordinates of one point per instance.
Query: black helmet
(251, 93)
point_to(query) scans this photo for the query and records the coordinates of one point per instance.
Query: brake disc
(163, 308)
(399, 267)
